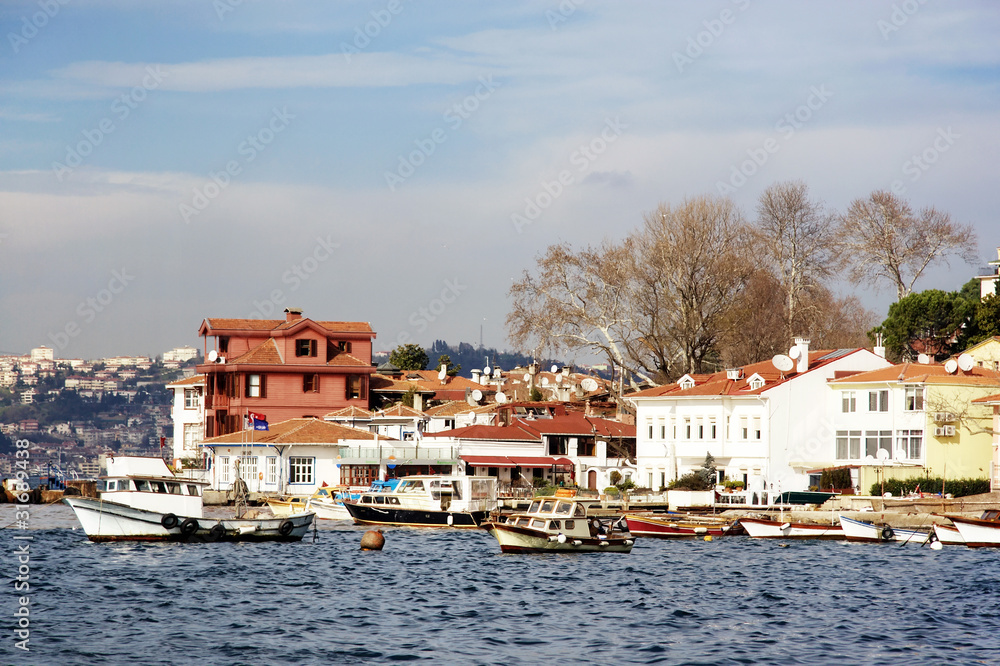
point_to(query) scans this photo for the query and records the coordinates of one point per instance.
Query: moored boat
(766, 528)
(857, 530)
(559, 524)
(670, 527)
(428, 501)
(948, 534)
(285, 505)
(141, 500)
(979, 532)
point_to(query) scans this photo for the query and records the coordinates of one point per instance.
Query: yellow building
(916, 420)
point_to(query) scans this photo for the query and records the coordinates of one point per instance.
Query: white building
(42, 353)
(766, 424)
(188, 415)
(180, 354)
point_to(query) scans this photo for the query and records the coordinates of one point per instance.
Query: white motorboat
(428, 501)
(559, 524)
(948, 534)
(979, 532)
(141, 500)
(856, 530)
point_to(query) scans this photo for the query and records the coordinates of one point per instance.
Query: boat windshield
(565, 508)
(534, 506)
(547, 506)
(413, 486)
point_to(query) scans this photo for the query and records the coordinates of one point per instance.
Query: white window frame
(191, 398)
(271, 473)
(301, 470)
(848, 402)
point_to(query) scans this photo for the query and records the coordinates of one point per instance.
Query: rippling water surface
(450, 596)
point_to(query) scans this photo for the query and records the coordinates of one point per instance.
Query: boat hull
(856, 530)
(759, 528)
(665, 528)
(109, 521)
(978, 533)
(328, 510)
(368, 514)
(516, 539)
(948, 534)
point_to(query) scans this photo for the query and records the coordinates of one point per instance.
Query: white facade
(768, 438)
(294, 469)
(188, 415)
(42, 353)
(180, 354)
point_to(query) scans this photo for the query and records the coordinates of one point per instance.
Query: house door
(592, 479)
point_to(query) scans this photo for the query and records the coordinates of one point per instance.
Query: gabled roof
(718, 383)
(989, 400)
(924, 373)
(399, 411)
(576, 423)
(512, 433)
(193, 380)
(265, 353)
(295, 431)
(455, 407)
(350, 412)
(214, 326)
(343, 359)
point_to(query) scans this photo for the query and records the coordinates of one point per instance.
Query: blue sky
(163, 162)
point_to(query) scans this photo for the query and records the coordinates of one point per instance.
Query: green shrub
(690, 481)
(839, 477)
(611, 490)
(954, 487)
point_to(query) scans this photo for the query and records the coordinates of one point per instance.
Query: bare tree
(578, 300)
(756, 326)
(799, 243)
(885, 240)
(699, 256)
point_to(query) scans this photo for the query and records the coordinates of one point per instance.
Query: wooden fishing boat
(767, 528)
(559, 524)
(675, 526)
(857, 530)
(979, 532)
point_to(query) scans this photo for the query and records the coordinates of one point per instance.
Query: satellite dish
(212, 356)
(951, 366)
(589, 384)
(486, 371)
(882, 455)
(965, 362)
(497, 373)
(477, 395)
(794, 353)
(545, 381)
(923, 359)
(782, 362)
(869, 460)
(501, 397)
(555, 369)
(527, 378)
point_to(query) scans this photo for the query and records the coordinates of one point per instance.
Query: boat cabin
(148, 484)
(559, 516)
(438, 493)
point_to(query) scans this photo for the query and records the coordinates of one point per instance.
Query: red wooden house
(284, 369)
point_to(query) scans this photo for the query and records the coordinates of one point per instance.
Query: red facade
(284, 369)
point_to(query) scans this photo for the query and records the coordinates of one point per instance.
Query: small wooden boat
(285, 505)
(767, 528)
(428, 501)
(857, 530)
(675, 526)
(979, 532)
(948, 534)
(559, 524)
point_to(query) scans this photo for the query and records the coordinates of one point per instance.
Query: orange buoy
(372, 540)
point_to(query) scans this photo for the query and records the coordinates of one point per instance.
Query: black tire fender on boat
(189, 526)
(887, 533)
(216, 532)
(286, 527)
(169, 521)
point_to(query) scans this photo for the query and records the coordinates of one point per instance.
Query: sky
(162, 162)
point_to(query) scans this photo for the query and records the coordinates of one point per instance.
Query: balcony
(401, 455)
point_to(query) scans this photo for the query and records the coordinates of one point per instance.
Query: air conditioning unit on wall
(943, 417)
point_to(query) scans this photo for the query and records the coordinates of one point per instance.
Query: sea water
(450, 596)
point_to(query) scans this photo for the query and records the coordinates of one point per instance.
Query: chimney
(803, 360)
(291, 314)
(443, 374)
(879, 348)
(418, 402)
(475, 374)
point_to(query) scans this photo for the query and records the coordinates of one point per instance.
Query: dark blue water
(451, 597)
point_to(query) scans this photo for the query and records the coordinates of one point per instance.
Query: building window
(300, 470)
(223, 469)
(191, 398)
(878, 401)
(354, 387)
(256, 386)
(687, 428)
(848, 445)
(272, 470)
(344, 346)
(712, 426)
(848, 401)
(663, 431)
(223, 344)
(909, 441)
(756, 428)
(913, 399)
(305, 347)
(877, 439)
(649, 426)
(310, 383)
(248, 467)
(192, 436)
(701, 431)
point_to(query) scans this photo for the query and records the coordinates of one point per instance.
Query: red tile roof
(295, 431)
(399, 411)
(925, 373)
(350, 412)
(511, 433)
(280, 324)
(265, 353)
(188, 381)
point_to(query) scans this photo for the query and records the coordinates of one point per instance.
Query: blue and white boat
(857, 530)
